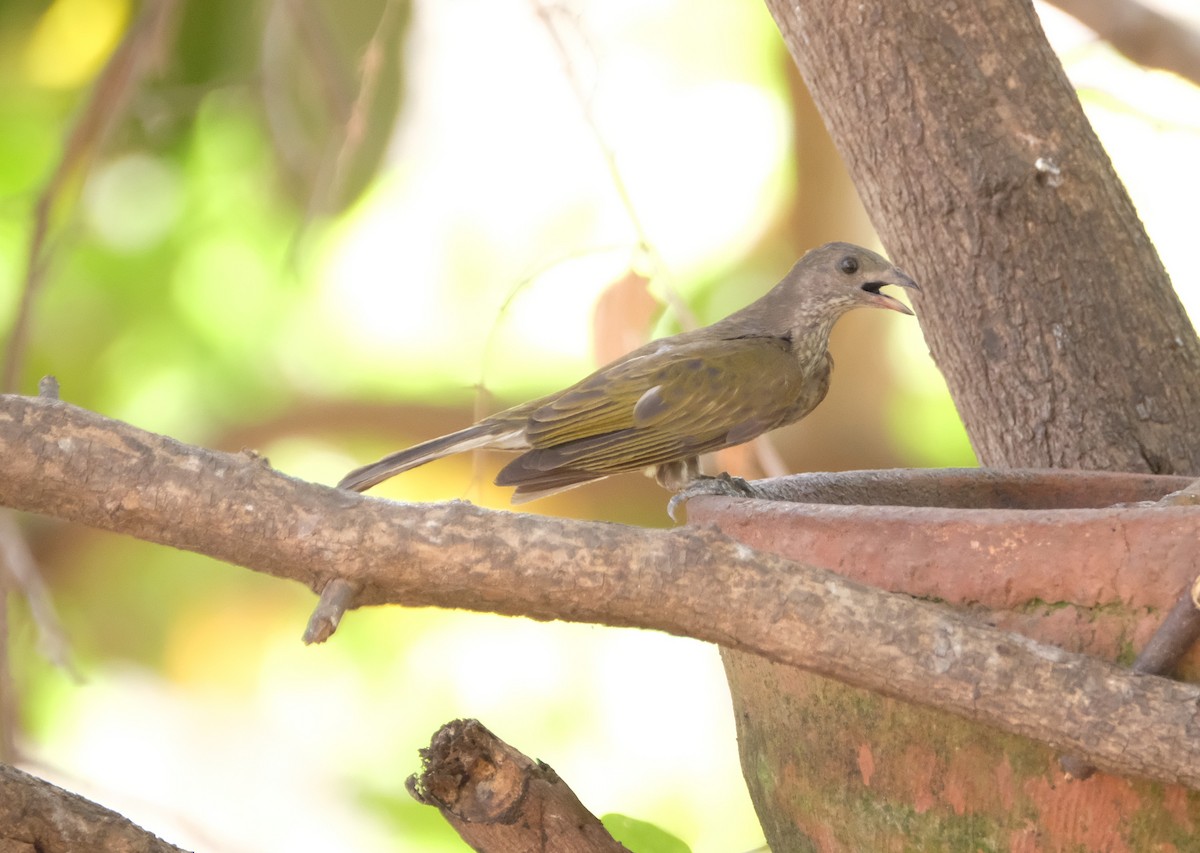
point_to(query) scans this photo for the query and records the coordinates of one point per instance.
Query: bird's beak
(882, 300)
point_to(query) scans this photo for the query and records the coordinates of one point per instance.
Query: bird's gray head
(843, 276)
(820, 288)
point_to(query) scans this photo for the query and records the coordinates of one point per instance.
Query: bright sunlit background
(229, 268)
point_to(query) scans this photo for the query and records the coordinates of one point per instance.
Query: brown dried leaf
(623, 318)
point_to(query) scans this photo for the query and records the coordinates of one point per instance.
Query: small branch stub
(501, 801)
(48, 387)
(336, 598)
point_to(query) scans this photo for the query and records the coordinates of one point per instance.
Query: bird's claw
(724, 484)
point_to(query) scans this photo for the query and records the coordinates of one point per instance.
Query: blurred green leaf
(332, 84)
(416, 825)
(640, 836)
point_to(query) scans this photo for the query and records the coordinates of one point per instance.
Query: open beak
(879, 299)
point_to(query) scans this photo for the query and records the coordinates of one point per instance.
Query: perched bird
(662, 405)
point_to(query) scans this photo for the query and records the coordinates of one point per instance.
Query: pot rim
(963, 492)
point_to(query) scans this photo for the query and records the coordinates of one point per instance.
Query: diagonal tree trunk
(1044, 303)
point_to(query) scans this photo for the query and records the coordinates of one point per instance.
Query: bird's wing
(661, 407)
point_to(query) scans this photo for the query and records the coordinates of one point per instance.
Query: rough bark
(81, 467)
(501, 801)
(1044, 303)
(37, 817)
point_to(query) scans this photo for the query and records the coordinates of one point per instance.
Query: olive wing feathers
(657, 408)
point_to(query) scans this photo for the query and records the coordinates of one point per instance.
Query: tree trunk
(1044, 304)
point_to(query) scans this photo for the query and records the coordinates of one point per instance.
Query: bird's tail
(483, 434)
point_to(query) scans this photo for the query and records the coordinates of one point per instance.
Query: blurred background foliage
(325, 230)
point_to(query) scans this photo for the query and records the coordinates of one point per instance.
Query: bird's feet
(723, 484)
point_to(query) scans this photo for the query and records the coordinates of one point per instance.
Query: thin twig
(356, 122)
(348, 110)
(21, 569)
(142, 50)
(333, 80)
(1144, 35)
(546, 14)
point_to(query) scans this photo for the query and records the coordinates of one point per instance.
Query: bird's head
(845, 276)
(822, 286)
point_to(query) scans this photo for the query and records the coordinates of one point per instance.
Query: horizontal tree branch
(71, 464)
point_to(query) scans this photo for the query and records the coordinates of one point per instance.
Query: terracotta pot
(836, 768)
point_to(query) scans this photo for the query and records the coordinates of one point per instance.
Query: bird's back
(660, 406)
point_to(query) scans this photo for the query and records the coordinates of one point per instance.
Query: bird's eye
(848, 265)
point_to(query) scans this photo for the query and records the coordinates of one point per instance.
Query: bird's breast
(807, 388)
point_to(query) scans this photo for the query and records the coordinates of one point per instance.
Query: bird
(659, 407)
